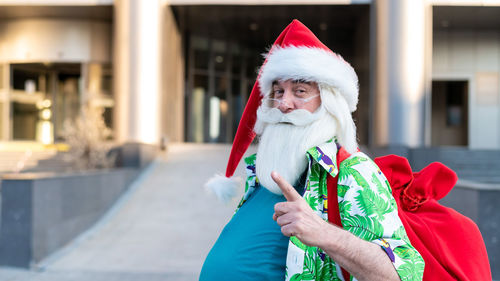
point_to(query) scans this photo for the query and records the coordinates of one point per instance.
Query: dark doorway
(450, 116)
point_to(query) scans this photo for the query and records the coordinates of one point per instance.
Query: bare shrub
(86, 136)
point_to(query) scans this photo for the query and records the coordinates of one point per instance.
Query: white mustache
(298, 117)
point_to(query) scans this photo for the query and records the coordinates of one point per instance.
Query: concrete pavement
(161, 229)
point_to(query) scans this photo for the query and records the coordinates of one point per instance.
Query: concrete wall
(475, 165)
(473, 56)
(40, 214)
(55, 40)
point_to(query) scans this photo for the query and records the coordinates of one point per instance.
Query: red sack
(449, 242)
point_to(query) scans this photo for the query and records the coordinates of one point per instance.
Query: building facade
(181, 70)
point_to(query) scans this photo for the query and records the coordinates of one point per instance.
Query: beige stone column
(4, 102)
(172, 78)
(136, 70)
(400, 72)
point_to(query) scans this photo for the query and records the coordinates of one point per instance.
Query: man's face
(290, 122)
(295, 94)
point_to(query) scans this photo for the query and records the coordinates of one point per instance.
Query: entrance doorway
(223, 57)
(220, 73)
(450, 103)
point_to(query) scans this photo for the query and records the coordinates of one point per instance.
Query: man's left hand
(295, 216)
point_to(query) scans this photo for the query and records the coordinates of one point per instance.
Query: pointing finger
(288, 191)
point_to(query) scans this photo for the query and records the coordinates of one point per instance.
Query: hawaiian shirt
(367, 209)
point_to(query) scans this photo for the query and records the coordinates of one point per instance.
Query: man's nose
(287, 105)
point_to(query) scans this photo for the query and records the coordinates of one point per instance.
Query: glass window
(215, 119)
(253, 67)
(201, 81)
(236, 64)
(196, 110)
(238, 104)
(200, 43)
(200, 49)
(67, 101)
(220, 62)
(221, 88)
(219, 55)
(25, 80)
(25, 117)
(201, 59)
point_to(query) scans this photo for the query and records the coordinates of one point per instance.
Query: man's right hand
(295, 216)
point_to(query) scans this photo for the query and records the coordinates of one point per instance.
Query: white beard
(283, 146)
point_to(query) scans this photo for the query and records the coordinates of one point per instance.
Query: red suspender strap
(333, 206)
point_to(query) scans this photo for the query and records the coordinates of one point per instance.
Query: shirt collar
(250, 164)
(326, 156)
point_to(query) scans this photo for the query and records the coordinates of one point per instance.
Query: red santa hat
(296, 54)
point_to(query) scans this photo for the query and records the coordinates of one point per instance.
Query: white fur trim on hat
(224, 188)
(310, 64)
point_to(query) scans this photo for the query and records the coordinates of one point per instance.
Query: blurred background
(96, 93)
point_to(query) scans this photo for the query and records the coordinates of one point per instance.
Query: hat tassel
(224, 188)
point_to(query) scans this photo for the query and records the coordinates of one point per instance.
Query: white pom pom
(224, 188)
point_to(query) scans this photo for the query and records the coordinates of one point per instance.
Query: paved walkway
(161, 229)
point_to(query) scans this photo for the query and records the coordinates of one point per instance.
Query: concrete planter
(42, 212)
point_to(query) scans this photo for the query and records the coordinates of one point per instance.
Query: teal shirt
(251, 246)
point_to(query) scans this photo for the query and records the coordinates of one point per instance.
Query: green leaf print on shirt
(384, 189)
(309, 269)
(312, 200)
(326, 270)
(306, 275)
(409, 271)
(322, 186)
(413, 266)
(366, 228)
(298, 243)
(400, 233)
(380, 187)
(314, 154)
(345, 207)
(314, 176)
(405, 252)
(347, 169)
(371, 203)
(342, 189)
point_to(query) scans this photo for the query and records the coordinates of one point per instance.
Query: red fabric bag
(449, 242)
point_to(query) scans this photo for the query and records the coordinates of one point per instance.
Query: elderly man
(301, 108)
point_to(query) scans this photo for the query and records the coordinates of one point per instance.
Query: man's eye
(301, 92)
(278, 93)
